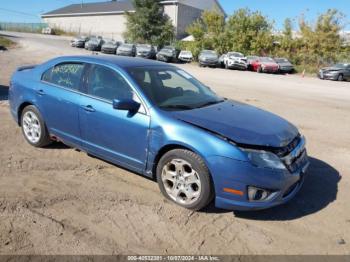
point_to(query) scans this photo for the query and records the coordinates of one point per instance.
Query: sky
(276, 10)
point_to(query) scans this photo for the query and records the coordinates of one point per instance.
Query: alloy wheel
(31, 127)
(181, 182)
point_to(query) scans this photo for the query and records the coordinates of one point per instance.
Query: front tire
(33, 127)
(184, 178)
(340, 78)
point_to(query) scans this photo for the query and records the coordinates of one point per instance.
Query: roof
(120, 61)
(111, 7)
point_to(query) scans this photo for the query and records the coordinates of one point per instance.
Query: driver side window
(107, 84)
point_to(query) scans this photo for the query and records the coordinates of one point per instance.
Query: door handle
(40, 92)
(89, 108)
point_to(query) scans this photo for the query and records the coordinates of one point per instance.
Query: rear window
(67, 75)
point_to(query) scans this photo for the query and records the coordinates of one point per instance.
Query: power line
(17, 12)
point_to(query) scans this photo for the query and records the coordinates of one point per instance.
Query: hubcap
(181, 181)
(31, 127)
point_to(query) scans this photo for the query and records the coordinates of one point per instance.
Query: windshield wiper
(184, 107)
(210, 103)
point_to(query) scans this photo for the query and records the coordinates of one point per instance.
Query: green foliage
(149, 24)
(209, 33)
(252, 33)
(6, 42)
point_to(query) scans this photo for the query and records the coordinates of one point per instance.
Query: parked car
(79, 41)
(235, 60)
(48, 31)
(186, 56)
(145, 51)
(250, 60)
(208, 58)
(284, 65)
(126, 50)
(337, 72)
(94, 44)
(121, 110)
(265, 65)
(110, 46)
(168, 54)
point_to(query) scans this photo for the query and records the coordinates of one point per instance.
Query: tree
(149, 24)
(250, 32)
(208, 32)
(322, 41)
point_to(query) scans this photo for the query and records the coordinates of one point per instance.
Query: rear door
(59, 96)
(115, 135)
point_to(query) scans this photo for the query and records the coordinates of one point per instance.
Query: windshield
(342, 66)
(208, 52)
(186, 53)
(281, 60)
(128, 46)
(235, 55)
(110, 41)
(171, 88)
(167, 49)
(266, 59)
(144, 47)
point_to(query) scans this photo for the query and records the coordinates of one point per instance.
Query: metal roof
(110, 7)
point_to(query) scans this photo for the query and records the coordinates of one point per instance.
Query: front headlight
(264, 159)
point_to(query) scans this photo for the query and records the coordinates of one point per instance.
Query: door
(115, 135)
(59, 99)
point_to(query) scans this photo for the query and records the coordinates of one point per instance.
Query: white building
(108, 18)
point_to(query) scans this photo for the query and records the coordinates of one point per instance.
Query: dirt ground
(61, 201)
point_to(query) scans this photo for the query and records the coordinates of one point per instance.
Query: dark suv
(145, 51)
(168, 54)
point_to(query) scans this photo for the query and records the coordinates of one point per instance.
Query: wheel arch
(20, 110)
(165, 149)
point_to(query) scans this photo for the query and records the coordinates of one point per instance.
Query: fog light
(257, 194)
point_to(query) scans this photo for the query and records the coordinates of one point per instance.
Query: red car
(265, 65)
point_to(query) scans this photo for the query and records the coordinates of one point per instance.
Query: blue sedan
(157, 120)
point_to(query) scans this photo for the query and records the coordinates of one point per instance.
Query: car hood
(241, 123)
(209, 57)
(269, 64)
(331, 69)
(109, 45)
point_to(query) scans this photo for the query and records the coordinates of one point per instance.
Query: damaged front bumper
(236, 182)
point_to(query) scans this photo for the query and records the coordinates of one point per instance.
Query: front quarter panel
(166, 131)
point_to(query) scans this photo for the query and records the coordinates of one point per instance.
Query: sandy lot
(61, 201)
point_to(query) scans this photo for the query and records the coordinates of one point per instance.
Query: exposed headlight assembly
(264, 159)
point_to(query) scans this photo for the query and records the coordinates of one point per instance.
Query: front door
(115, 135)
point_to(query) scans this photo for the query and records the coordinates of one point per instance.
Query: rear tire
(184, 178)
(33, 127)
(340, 78)
(259, 70)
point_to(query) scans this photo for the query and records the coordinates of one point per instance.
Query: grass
(6, 42)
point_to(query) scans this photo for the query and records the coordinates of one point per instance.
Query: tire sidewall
(198, 164)
(44, 137)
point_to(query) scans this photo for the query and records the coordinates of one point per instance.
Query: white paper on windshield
(184, 74)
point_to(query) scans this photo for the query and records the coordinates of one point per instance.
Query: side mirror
(126, 105)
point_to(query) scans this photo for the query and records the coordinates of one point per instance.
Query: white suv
(235, 60)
